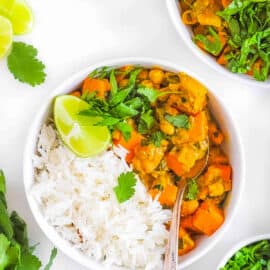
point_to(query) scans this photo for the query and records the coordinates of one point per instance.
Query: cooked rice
(77, 198)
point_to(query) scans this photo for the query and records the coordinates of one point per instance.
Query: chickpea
(156, 76)
(147, 83)
(166, 127)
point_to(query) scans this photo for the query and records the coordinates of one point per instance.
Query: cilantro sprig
(15, 252)
(126, 186)
(249, 28)
(192, 190)
(122, 104)
(24, 65)
(254, 256)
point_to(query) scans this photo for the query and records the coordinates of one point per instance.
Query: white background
(71, 34)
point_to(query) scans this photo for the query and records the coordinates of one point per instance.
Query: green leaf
(125, 129)
(192, 190)
(9, 253)
(24, 65)
(2, 182)
(126, 186)
(212, 46)
(20, 229)
(146, 122)
(123, 111)
(113, 82)
(101, 72)
(28, 262)
(52, 257)
(108, 121)
(157, 137)
(5, 223)
(150, 93)
(179, 121)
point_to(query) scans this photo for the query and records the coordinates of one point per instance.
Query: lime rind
(79, 133)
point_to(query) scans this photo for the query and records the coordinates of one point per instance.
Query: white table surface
(71, 34)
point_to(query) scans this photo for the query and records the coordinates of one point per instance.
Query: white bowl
(240, 245)
(233, 149)
(186, 33)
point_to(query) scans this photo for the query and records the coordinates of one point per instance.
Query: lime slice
(5, 36)
(79, 132)
(21, 17)
(6, 6)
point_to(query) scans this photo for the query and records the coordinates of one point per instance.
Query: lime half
(21, 17)
(6, 6)
(78, 132)
(5, 36)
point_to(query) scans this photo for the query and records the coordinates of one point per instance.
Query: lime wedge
(6, 6)
(5, 36)
(78, 132)
(21, 17)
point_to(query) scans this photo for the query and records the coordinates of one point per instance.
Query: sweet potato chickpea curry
(163, 120)
(235, 32)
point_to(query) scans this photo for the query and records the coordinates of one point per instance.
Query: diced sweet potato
(166, 197)
(208, 218)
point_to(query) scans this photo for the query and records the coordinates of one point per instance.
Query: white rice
(77, 198)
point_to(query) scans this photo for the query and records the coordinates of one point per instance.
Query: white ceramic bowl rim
(185, 34)
(238, 246)
(69, 85)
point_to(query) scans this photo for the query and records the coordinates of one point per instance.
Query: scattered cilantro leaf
(152, 94)
(211, 43)
(147, 121)
(2, 182)
(157, 137)
(113, 82)
(192, 190)
(29, 262)
(15, 252)
(102, 72)
(24, 65)
(126, 186)
(180, 120)
(125, 129)
(254, 256)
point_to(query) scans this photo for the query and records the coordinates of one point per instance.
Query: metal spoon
(171, 255)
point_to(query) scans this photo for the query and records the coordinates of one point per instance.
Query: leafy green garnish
(180, 120)
(122, 104)
(15, 252)
(249, 26)
(157, 137)
(24, 65)
(192, 190)
(126, 186)
(213, 45)
(252, 257)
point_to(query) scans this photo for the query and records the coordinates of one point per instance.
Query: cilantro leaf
(52, 257)
(2, 182)
(157, 137)
(125, 129)
(20, 229)
(152, 94)
(213, 45)
(180, 120)
(24, 65)
(9, 253)
(126, 186)
(5, 223)
(113, 83)
(147, 121)
(192, 190)
(28, 261)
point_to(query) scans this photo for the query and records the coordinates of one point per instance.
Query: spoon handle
(171, 256)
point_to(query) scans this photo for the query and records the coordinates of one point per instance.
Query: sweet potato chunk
(208, 218)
